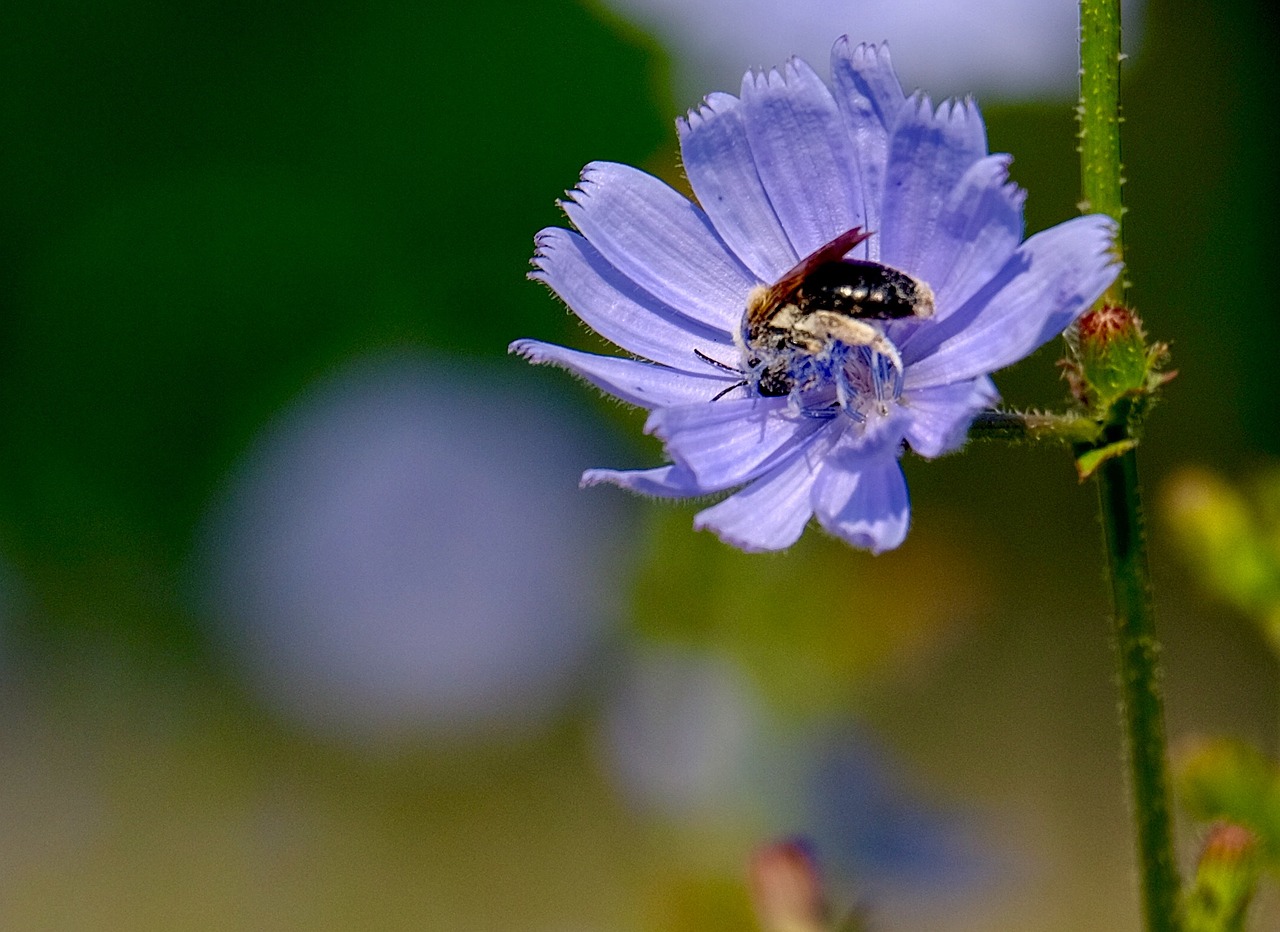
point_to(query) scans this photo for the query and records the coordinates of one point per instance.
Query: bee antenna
(726, 391)
(715, 362)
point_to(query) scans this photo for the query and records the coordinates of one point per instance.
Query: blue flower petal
(717, 158)
(929, 152)
(644, 384)
(940, 416)
(661, 241)
(803, 153)
(863, 499)
(731, 441)
(979, 228)
(869, 96)
(620, 311)
(867, 87)
(769, 514)
(1047, 284)
(661, 482)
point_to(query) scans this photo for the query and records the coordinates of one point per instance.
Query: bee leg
(828, 325)
(845, 395)
(818, 414)
(842, 387)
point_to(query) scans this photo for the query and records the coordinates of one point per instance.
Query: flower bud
(1226, 879)
(787, 889)
(1112, 358)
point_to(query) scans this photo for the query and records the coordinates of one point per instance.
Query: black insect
(826, 298)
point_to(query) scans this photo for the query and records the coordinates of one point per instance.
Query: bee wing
(772, 296)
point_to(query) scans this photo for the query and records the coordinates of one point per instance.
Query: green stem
(1120, 500)
(1099, 114)
(1034, 427)
(1141, 686)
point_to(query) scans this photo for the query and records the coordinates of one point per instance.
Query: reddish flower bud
(1226, 879)
(787, 889)
(1113, 360)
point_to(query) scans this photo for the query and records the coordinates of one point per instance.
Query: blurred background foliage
(1231, 535)
(213, 213)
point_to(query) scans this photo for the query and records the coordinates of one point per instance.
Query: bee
(826, 299)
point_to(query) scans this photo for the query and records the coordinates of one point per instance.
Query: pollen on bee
(757, 298)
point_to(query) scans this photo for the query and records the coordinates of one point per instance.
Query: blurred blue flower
(368, 571)
(683, 733)
(870, 823)
(813, 424)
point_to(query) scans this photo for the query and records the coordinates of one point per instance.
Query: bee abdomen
(864, 290)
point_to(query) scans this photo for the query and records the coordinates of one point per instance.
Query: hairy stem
(1120, 501)
(1034, 427)
(1099, 115)
(1141, 688)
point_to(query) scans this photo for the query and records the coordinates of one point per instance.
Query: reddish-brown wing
(776, 294)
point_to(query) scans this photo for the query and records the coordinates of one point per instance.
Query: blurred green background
(208, 209)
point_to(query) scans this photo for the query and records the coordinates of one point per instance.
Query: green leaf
(1087, 463)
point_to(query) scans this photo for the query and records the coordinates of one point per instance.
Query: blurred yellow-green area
(1232, 536)
(304, 623)
(1226, 780)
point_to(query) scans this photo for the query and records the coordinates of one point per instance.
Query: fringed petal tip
(672, 481)
(864, 54)
(653, 424)
(794, 69)
(1102, 230)
(959, 111)
(588, 178)
(993, 172)
(644, 384)
(544, 244)
(594, 477)
(712, 106)
(1109, 230)
(1051, 280)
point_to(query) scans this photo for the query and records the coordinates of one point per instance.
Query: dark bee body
(826, 299)
(862, 290)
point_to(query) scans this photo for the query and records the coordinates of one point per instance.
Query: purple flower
(803, 400)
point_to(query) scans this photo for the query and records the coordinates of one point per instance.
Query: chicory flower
(804, 404)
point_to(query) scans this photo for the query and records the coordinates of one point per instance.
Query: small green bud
(1223, 780)
(1112, 359)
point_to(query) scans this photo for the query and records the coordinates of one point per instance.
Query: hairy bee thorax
(824, 319)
